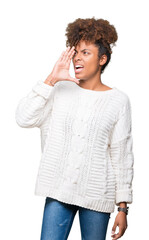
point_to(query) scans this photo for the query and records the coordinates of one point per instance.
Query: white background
(32, 39)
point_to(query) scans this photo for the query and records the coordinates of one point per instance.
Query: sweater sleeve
(121, 153)
(33, 108)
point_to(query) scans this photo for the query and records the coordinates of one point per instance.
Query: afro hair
(97, 31)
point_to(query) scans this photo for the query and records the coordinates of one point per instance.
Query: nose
(77, 57)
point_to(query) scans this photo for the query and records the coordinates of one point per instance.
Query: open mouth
(78, 69)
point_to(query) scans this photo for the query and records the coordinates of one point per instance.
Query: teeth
(78, 66)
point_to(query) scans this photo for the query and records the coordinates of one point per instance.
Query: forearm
(33, 108)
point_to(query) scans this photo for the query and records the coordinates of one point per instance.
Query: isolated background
(32, 39)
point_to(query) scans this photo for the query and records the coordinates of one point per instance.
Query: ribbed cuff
(43, 89)
(124, 196)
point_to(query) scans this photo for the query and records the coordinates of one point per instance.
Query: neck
(93, 83)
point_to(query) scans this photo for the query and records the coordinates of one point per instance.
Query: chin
(79, 76)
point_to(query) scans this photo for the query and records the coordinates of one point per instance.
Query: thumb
(74, 80)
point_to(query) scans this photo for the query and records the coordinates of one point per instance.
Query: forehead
(85, 45)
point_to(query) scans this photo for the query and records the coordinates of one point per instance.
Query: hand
(60, 71)
(121, 222)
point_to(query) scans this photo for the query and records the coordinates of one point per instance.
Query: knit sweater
(86, 143)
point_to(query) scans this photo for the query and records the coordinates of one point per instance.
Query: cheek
(92, 65)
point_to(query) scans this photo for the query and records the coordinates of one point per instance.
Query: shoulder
(124, 109)
(122, 97)
(122, 103)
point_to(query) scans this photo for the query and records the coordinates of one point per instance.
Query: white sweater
(86, 143)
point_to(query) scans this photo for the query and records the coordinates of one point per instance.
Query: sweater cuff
(124, 196)
(43, 89)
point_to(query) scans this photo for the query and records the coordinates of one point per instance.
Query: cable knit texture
(86, 143)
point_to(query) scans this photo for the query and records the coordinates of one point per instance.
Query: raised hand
(60, 71)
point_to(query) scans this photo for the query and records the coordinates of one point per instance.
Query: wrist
(51, 80)
(125, 210)
(123, 204)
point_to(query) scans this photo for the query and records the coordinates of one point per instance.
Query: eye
(85, 52)
(74, 54)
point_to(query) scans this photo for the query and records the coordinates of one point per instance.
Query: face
(86, 55)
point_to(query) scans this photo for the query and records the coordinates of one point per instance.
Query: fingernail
(112, 232)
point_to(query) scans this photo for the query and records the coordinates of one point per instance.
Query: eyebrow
(82, 50)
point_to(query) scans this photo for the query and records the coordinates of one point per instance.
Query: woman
(86, 141)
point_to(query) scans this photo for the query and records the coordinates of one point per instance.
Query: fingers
(61, 56)
(118, 235)
(113, 230)
(67, 55)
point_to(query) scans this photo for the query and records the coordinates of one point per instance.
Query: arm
(122, 161)
(122, 157)
(33, 108)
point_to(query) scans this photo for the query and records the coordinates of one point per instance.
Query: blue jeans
(58, 218)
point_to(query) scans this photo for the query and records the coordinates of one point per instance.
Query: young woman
(86, 141)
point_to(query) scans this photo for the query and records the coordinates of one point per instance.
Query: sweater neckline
(96, 91)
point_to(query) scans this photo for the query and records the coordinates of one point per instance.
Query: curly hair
(96, 31)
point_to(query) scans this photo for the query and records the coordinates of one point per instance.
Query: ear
(103, 60)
